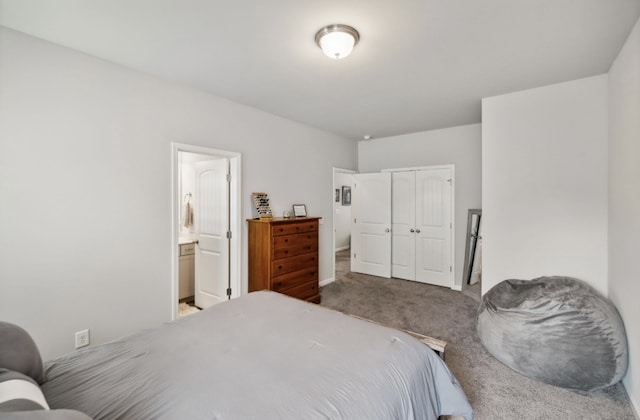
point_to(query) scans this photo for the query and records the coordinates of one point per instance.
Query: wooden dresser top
(280, 220)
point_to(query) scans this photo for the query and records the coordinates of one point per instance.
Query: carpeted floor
(494, 391)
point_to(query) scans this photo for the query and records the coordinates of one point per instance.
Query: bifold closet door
(434, 227)
(422, 226)
(403, 215)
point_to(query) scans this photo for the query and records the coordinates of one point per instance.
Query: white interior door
(371, 226)
(211, 224)
(403, 215)
(434, 227)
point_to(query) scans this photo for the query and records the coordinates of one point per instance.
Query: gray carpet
(494, 390)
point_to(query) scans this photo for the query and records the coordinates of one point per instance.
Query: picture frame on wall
(346, 195)
(337, 195)
(299, 210)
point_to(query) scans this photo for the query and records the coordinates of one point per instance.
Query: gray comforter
(262, 356)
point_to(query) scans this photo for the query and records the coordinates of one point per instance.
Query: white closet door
(371, 225)
(434, 227)
(403, 239)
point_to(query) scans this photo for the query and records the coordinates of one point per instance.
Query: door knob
(196, 242)
(417, 230)
(387, 230)
(412, 230)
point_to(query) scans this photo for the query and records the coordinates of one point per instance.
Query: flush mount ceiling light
(337, 41)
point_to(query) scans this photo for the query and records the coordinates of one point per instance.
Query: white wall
(85, 181)
(460, 146)
(624, 199)
(342, 214)
(544, 183)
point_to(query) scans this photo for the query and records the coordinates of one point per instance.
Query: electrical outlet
(82, 338)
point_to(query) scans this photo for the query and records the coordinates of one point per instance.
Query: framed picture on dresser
(299, 210)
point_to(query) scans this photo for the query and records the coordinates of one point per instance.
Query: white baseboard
(633, 405)
(457, 287)
(327, 281)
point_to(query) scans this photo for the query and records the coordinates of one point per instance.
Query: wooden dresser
(283, 256)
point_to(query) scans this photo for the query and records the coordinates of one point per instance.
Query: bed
(261, 356)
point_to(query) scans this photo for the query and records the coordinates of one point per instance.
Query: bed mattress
(261, 356)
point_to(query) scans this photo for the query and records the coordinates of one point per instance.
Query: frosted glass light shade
(337, 41)
(337, 44)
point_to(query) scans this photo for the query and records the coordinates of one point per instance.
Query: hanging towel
(187, 215)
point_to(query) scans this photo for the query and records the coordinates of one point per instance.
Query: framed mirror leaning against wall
(472, 254)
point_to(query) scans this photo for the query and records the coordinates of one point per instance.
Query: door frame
(451, 167)
(333, 219)
(235, 247)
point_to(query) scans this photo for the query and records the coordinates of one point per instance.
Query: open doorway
(205, 227)
(342, 185)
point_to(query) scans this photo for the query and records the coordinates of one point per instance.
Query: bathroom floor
(185, 309)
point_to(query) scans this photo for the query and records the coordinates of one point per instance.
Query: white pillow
(19, 392)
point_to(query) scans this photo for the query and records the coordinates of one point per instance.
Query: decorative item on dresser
(261, 201)
(283, 256)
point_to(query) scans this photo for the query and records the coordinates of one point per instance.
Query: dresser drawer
(303, 291)
(294, 250)
(285, 241)
(287, 265)
(286, 229)
(314, 299)
(295, 278)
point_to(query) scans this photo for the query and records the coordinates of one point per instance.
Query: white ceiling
(420, 64)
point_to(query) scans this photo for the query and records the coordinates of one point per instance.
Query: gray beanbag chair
(558, 330)
(18, 352)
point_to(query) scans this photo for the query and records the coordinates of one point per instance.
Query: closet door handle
(417, 230)
(412, 230)
(387, 230)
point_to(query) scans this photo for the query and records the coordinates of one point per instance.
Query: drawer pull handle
(286, 251)
(279, 267)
